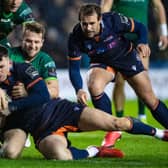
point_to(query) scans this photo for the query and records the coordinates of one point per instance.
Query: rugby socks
(120, 113)
(159, 134)
(161, 114)
(78, 153)
(92, 150)
(137, 127)
(1, 152)
(141, 107)
(102, 102)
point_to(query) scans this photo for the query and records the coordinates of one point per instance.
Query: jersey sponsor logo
(134, 67)
(32, 72)
(124, 19)
(108, 38)
(50, 64)
(52, 72)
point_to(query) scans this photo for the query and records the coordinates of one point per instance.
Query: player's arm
(49, 75)
(76, 79)
(142, 41)
(106, 5)
(36, 88)
(52, 86)
(74, 58)
(124, 24)
(74, 72)
(161, 16)
(25, 14)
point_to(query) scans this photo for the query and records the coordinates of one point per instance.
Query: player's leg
(141, 105)
(94, 119)
(55, 147)
(97, 80)
(14, 141)
(119, 95)
(142, 86)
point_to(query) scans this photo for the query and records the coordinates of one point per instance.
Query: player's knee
(11, 152)
(53, 151)
(94, 88)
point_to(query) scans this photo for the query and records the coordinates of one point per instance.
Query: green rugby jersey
(136, 9)
(8, 21)
(43, 63)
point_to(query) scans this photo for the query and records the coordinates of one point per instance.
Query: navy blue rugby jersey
(108, 46)
(20, 72)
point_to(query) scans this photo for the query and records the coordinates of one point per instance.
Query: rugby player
(49, 120)
(12, 13)
(30, 52)
(131, 9)
(101, 37)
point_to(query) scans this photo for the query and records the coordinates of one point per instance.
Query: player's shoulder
(44, 56)
(77, 31)
(24, 12)
(20, 66)
(24, 69)
(24, 7)
(42, 59)
(110, 15)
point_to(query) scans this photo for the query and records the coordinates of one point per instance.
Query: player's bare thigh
(55, 147)
(93, 119)
(98, 78)
(143, 88)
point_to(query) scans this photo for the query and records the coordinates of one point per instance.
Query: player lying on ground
(49, 121)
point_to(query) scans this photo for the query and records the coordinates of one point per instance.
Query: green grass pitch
(140, 151)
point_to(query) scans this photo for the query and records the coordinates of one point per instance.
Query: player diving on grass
(49, 121)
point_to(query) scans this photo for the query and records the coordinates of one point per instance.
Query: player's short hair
(3, 52)
(34, 27)
(88, 9)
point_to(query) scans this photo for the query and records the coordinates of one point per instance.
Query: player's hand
(19, 91)
(4, 111)
(82, 96)
(163, 42)
(143, 50)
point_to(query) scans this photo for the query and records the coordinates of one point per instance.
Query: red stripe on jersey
(132, 25)
(34, 82)
(74, 59)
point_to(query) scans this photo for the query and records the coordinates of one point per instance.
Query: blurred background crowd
(59, 17)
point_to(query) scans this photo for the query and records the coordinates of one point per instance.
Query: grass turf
(140, 151)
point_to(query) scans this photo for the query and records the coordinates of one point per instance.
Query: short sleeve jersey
(131, 8)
